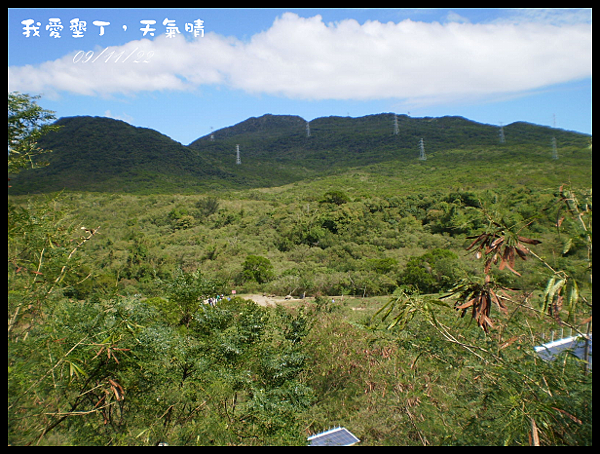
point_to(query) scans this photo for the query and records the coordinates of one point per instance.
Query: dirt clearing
(270, 300)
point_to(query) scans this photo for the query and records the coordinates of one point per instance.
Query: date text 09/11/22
(120, 57)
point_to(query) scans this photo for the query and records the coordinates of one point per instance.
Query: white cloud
(119, 69)
(455, 17)
(305, 58)
(548, 16)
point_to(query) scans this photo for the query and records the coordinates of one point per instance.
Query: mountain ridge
(108, 155)
(104, 154)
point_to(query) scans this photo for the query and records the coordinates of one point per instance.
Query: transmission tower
(396, 131)
(502, 138)
(422, 156)
(212, 135)
(307, 129)
(238, 160)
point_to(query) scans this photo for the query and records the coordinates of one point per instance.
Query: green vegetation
(27, 123)
(102, 154)
(435, 271)
(258, 269)
(426, 284)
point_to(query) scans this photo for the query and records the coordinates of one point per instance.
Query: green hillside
(364, 153)
(344, 141)
(106, 155)
(411, 293)
(102, 154)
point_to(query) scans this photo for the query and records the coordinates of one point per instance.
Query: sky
(185, 72)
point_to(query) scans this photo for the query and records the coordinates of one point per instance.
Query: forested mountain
(365, 140)
(102, 154)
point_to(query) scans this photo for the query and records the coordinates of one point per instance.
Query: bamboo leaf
(573, 296)
(466, 305)
(389, 306)
(75, 370)
(552, 288)
(555, 288)
(545, 298)
(497, 242)
(513, 270)
(569, 415)
(521, 251)
(477, 240)
(567, 246)
(522, 239)
(549, 285)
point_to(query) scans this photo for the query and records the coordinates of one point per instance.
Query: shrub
(186, 294)
(257, 268)
(432, 272)
(207, 206)
(335, 197)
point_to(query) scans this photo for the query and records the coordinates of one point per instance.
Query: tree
(434, 271)
(187, 293)
(517, 399)
(42, 245)
(44, 249)
(257, 268)
(207, 206)
(335, 197)
(27, 122)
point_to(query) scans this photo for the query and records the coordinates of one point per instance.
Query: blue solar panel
(340, 436)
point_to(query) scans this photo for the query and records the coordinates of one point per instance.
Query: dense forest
(418, 289)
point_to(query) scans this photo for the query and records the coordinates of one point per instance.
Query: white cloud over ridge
(305, 58)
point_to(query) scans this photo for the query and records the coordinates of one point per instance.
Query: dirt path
(268, 300)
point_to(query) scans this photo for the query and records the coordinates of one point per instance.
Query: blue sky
(489, 65)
